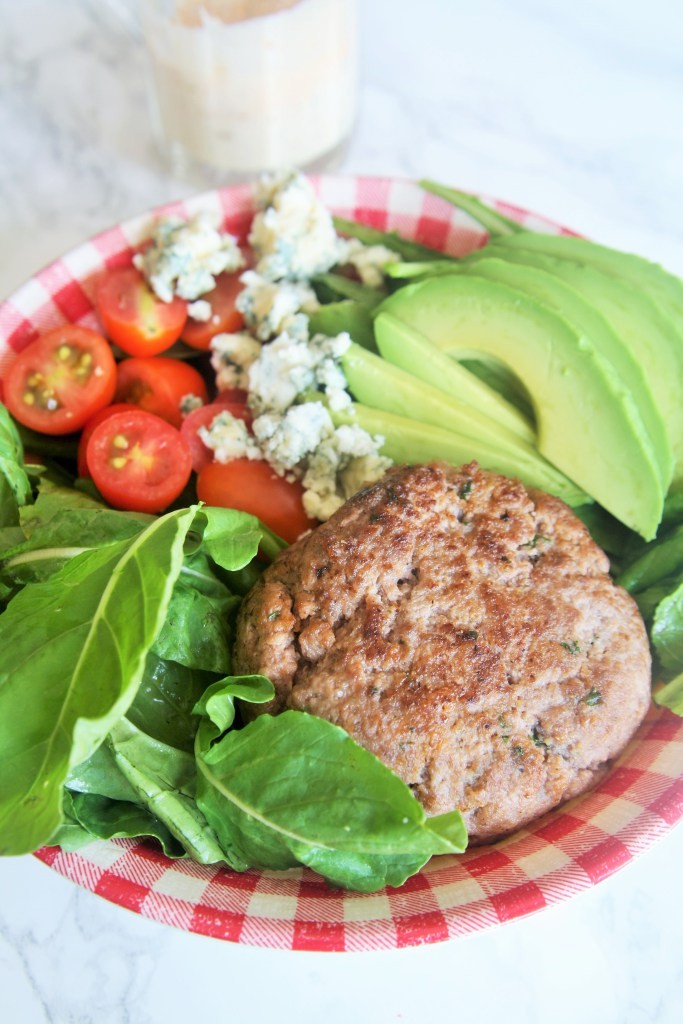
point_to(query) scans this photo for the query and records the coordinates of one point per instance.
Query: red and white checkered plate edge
(559, 855)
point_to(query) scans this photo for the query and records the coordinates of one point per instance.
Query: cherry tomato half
(58, 381)
(252, 486)
(224, 315)
(158, 384)
(132, 315)
(204, 417)
(138, 462)
(94, 421)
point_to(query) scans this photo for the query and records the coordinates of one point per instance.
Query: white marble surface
(570, 109)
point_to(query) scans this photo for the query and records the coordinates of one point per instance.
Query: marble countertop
(571, 110)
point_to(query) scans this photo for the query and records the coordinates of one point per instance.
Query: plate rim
(405, 924)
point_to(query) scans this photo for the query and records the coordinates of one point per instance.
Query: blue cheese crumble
(188, 403)
(286, 368)
(185, 257)
(232, 355)
(269, 307)
(200, 310)
(369, 261)
(293, 234)
(229, 438)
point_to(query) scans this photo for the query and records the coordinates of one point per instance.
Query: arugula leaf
(331, 287)
(495, 223)
(294, 788)
(661, 558)
(197, 629)
(163, 779)
(15, 486)
(217, 704)
(72, 655)
(671, 695)
(233, 538)
(95, 817)
(49, 543)
(405, 247)
(667, 630)
(165, 700)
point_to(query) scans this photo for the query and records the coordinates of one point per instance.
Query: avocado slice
(580, 403)
(639, 404)
(406, 441)
(386, 388)
(639, 273)
(636, 319)
(406, 348)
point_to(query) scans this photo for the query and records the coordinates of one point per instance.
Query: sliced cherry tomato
(224, 315)
(58, 381)
(204, 417)
(138, 462)
(134, 317)
(94, 421)
(158, 385)
(252, 486)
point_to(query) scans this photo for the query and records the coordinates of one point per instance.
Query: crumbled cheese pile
(283, 369)
(185, 257)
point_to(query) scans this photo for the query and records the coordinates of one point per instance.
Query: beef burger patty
(463, 629)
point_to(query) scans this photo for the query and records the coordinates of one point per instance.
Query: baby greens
(117, 707)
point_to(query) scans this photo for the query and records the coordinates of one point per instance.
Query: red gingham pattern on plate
(564, 852)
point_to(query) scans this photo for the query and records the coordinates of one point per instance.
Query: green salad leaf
(196, 630)
(95, 817)
(79, 642)
(163, 778)
(671, 695)
(297, 789)
(15, 486)
(667, 630)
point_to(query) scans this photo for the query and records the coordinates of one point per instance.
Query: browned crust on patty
(463, 629)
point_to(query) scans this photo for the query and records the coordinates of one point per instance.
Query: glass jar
(245, 86)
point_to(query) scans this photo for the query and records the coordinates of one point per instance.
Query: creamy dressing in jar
(244, 86)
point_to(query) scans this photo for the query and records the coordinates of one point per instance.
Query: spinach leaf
(95, 817)
(72, 655)
(661, 558)
(233, 538)
(296, 789)
(667, 630)
(165, 701)
(671, 695)
(331, 287)
(99, 775)
(15, 486)
(197, 630)
(49, 543)
(163, 779)
(405, 247)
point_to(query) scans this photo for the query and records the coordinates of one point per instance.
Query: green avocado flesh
(581, 405)
(408, 441)
(639, 405)
(639, 273)
(386, 388)
(405, 348)
(635, 318)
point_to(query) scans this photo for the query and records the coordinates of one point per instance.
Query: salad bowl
(552, 859)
